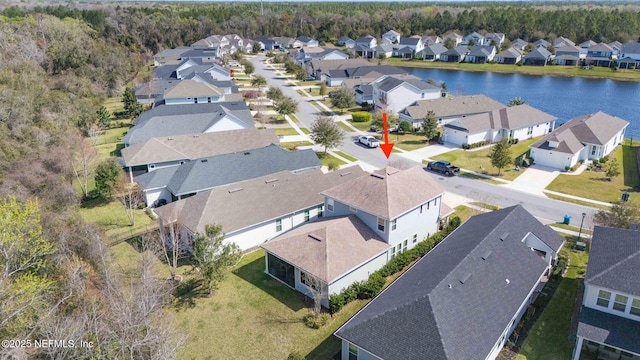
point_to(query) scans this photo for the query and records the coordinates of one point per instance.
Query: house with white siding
(367, 221)
(609, 323)
(464, 298)
(447, 109)
(587, 137)
(254, 211)
(516, 122)
(393, 94)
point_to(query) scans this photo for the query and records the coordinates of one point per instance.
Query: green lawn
(575, 201)
(286, 131)
(465, 212)
(112, 218)
(479, 160)
(595, 72)
(362, 126)
(326, 159)
(572, 227)
(305, 130)
(477, 177)
(594, 185)
(295, 144)
(550, 337)
(252, 316)
(344, 126)
(310, 91)
(346, 156)
(408, 142)
(485, 205)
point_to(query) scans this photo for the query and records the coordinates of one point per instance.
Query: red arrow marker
(386, 147)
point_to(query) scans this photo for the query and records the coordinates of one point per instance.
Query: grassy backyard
(551, 336)
(594, 72)
(327, 159)
(594, 185)
(479, 160)
(252, 316)
(285, 131)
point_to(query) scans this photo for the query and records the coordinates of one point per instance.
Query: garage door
(455, 136)
(550, 158)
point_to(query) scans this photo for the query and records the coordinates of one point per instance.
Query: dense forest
(58, 64)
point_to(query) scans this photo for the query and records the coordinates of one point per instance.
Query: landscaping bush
(513, 141)
(333, 165)
(405, 126)
(251, 94)
(372, 287)
(604, 160)
(361, 116)
(476, 145)
(315, 322)
(336, 302)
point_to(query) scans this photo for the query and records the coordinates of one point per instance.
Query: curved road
(548, 210)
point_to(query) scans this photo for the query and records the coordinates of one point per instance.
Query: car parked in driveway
(369, 141)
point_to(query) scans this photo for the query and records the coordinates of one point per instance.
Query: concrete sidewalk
(534, 179)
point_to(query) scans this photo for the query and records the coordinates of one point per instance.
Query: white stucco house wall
(588, 137)
(517, 122)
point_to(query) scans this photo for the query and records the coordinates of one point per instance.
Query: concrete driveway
(534, 179)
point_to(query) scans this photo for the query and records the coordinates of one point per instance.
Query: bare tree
(85, 155)
(129, 196)
(318, 292)
(171, 247)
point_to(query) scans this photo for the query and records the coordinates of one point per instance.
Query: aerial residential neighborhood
(302, 186)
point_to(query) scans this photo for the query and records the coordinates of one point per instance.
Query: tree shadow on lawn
(330, 348)
(94, 202)
(630, 160)
(253, 273)
(186, 293)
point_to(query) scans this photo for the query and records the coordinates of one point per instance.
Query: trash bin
(625, 196)
(567, 219)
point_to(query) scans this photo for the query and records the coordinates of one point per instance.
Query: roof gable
(389, 192)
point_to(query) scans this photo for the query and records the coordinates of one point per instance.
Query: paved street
(547, 210)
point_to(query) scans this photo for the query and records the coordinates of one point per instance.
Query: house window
(530, 130)
(353, 352)
(635, 307)
(593, 150)
(603, 298)
(398, 248)
(415, 238)
(428, 204)
(320, 211)
(423, 95)
(393, 252)
(421, 208)
(208, 99)
(195, 100)
(435, 202)
(353, 210)
(330, 205)
(306, 215)
(309, 281)
(404, 245)
(380, 224)
(394, 225)
(278, 224)
(620, 302)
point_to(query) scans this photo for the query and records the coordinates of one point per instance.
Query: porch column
(577, 349)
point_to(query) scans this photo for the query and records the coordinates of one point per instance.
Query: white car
(369, 141)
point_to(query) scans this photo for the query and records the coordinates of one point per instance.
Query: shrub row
(372, 287)
(475, 145)
(513, 141)
(361, 116)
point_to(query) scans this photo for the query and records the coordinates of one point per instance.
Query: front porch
(592, 350)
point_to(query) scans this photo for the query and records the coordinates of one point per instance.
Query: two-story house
(391, 37)
(538, 57)
(367, 221)
(629, 57)
(568, 55)
(453, 37)
(464, 298)
(365, 46)
(495, 39)
(393, 94)
(431, 52)
(408, 47)
(599, 55)
(609, 325)
(473, 39)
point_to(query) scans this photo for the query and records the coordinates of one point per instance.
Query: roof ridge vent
(486, 255)
(345, 174)
(503, 237)
(315, 237)
(269, 181)
(393, 171)
(235, 190)
(379, 176)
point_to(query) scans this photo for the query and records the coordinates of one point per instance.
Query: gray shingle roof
(388, 192)
(519, 43)
(514, 117)
(614, 260)
(539, 53)
(409, 41)
(633, 48)
(172, 120)
(339, 244)
(452, 106)
(284, 192)
(207, 173)
(455, 302)
(597, 128)
(190, 147)
(601, 47)
(479, 50)
(434, 49)
(511, 52)
(609, 329)
(391, 83)
(458, 50)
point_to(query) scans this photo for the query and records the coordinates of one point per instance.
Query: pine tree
(430, 126)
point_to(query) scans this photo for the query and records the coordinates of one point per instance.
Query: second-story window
(394, 225)
(603, 298)
(381, 224)
(620, 302)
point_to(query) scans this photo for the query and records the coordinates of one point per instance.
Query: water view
(563, 97)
